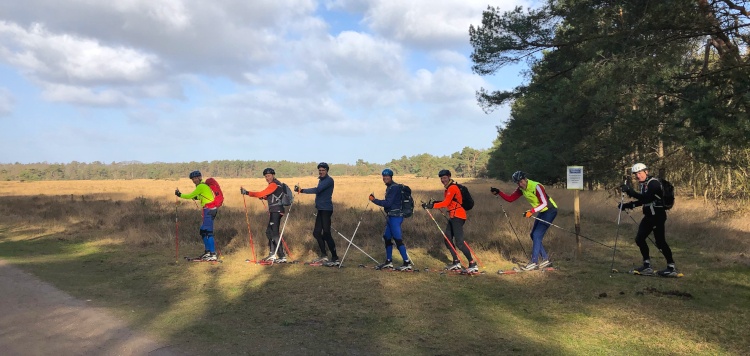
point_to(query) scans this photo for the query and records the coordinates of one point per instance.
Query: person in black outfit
(324, 203)
(654, 217)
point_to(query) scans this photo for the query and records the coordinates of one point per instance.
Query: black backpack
(407, 202)
(468, 201)
(668, 193)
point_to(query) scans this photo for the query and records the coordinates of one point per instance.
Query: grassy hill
(113, 242)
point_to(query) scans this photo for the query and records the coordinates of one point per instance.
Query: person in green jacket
(204, 194)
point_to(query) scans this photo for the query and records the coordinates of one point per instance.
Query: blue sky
(190, 80)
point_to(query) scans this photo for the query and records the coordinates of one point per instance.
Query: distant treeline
(469, 163)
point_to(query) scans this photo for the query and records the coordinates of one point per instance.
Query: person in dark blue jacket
(394, 218)
(324, 203)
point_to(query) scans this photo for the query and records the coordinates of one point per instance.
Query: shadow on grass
(239, 308)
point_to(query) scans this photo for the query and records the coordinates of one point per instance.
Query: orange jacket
(452, 200)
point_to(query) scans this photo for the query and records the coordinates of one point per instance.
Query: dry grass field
(113, 242)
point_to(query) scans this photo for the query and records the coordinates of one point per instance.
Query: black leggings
(455, 232)
(653, 223)
(322, 233)
(272, 233)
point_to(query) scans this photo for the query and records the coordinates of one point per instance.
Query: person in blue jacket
(324, 203)
(394, 218)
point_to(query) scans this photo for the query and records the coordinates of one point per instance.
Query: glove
(177, 192)
(495, 191)
(371, 197)
(243, 191)
(296, 189)
(624, 206)
(428, 205)
(625, 188)
(528, 214)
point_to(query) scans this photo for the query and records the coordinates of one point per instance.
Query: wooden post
(577, 212)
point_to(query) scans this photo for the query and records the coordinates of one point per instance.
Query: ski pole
(353, 244)
(450, 244)
(355, 232)
(474, 254)
(570, 232)
(281, 235)
(617, 232)
(176, 231)
(636, 222)
(511, 228)
(249, 233)
(465, 243)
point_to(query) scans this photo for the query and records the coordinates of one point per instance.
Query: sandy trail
(38, 319)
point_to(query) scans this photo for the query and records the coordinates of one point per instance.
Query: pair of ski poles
(448, 241)
(177, 229)
(281, 234)
(351, 240)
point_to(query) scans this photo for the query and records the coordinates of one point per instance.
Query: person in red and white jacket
(542, 204)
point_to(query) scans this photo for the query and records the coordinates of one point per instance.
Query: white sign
(575, 177)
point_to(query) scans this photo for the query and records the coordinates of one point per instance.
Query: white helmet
(638, 167)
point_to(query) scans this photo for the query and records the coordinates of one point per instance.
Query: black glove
(296, 189)
(495, 190)
(428, 205)
(177, 192)
(624, 206)
(243, 191)
(625, 188)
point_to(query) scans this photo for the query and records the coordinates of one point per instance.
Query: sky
(195, 80)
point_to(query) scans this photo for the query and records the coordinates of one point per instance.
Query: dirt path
(38, 319)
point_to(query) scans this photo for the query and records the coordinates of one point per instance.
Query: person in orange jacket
(273, 194)
(452, 201)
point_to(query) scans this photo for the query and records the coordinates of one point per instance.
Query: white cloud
(251, 70)
(65, 58)
(429, 24)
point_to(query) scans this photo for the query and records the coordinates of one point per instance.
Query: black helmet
(444, 172)
(387, 172)
(269, 171)
(323, 165)
(518, 176)
(194, 174)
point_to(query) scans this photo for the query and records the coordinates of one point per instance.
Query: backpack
(468, 201)
(668, 193)
(218, 195)
(407, 202)
(288, 197)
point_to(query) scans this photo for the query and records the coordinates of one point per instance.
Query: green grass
(239, 308)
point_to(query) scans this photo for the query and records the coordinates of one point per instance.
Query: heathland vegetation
(113, 243)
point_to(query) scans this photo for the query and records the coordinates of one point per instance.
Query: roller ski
(647, 271)
(205, 257)
(320, 261)
(517, 270)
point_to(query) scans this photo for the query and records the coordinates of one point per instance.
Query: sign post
(575, 181)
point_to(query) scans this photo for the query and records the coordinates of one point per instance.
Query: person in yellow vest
(542, 204)
(204, 194)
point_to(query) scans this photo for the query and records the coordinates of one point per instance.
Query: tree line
(614, 82)
(468, 163)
